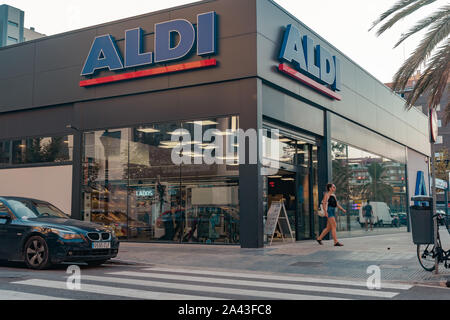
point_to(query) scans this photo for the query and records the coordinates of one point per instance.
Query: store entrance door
(282, 188)
(295, 183)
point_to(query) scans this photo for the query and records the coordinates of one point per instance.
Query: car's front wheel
(36, 253)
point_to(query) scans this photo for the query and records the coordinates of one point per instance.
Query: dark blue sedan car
(39, 234)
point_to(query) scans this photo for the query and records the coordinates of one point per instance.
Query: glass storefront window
(5, 153)
(362, 177)
(132, 185)
(39, 150)
(286, 152)
(105, 176)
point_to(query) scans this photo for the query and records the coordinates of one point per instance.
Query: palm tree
(433, 50)
(341, 171)
(377, 189)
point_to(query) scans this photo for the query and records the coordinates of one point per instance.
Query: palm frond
(442, 13)
(405, 11)
(434, 79)
(438, 32)
(398, 6)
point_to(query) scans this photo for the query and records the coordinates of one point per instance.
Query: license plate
(101, 245)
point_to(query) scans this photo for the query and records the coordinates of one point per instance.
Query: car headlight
(66, 235)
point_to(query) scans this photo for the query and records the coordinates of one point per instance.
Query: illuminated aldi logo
(311, 64)
(174, 40)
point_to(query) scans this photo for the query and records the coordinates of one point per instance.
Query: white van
(381, 214)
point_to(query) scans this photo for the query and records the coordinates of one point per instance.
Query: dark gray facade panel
(15, 92)
(38, 122)
(357, 136)
(250, 179)
(236, 17)
(56, 87)
(191, 103)
(278, 105)
(16, 63)
(325, 174)
(64, 51)
(147, 23)
(77, 172)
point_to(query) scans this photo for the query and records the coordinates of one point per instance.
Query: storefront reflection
(131, 185)
(362, 177)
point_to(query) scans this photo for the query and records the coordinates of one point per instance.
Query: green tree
(341, 171)
(442, 165)
(33, 151)
(377, 189)
(54, 151)
(433, 51)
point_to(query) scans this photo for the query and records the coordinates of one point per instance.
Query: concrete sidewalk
(395, 254)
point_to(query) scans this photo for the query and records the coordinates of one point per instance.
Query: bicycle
(427, 253)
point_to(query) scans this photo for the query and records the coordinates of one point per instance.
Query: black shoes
(338, 244)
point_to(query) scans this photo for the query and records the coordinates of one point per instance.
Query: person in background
(368, 215)
(330, 205)
(167, 219)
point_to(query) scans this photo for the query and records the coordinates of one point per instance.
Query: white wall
(52, 184)
(417, 162)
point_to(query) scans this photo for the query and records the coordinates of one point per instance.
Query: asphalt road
(119, 281)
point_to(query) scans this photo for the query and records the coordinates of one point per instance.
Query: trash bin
(422, 223)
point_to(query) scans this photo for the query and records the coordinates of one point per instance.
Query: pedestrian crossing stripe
(256, 293)
(272, 277)
(152, 295)
(272, 285)
(15, 295)
(114, 291)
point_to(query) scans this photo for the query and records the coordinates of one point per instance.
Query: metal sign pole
(433, 172)
(434, 131)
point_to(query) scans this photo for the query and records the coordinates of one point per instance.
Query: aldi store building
(88, 120)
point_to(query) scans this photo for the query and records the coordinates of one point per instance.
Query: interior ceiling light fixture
(204, 123)
(148, 130)
(178, 132)
(209, 147)
(192, 154)
(223, 133)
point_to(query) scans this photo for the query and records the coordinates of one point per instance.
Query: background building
(442, 146)
(31, 34)
(12, 30)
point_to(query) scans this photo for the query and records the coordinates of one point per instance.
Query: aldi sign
(174, 40)
(312, 64)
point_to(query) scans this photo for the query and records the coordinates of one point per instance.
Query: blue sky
(344, 24)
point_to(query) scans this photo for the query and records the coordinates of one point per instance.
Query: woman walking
(330, 205)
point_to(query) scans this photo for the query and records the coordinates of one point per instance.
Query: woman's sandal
(320, 242)
(338, 244)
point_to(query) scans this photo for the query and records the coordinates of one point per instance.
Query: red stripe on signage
(309, 82)
(150, 72)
